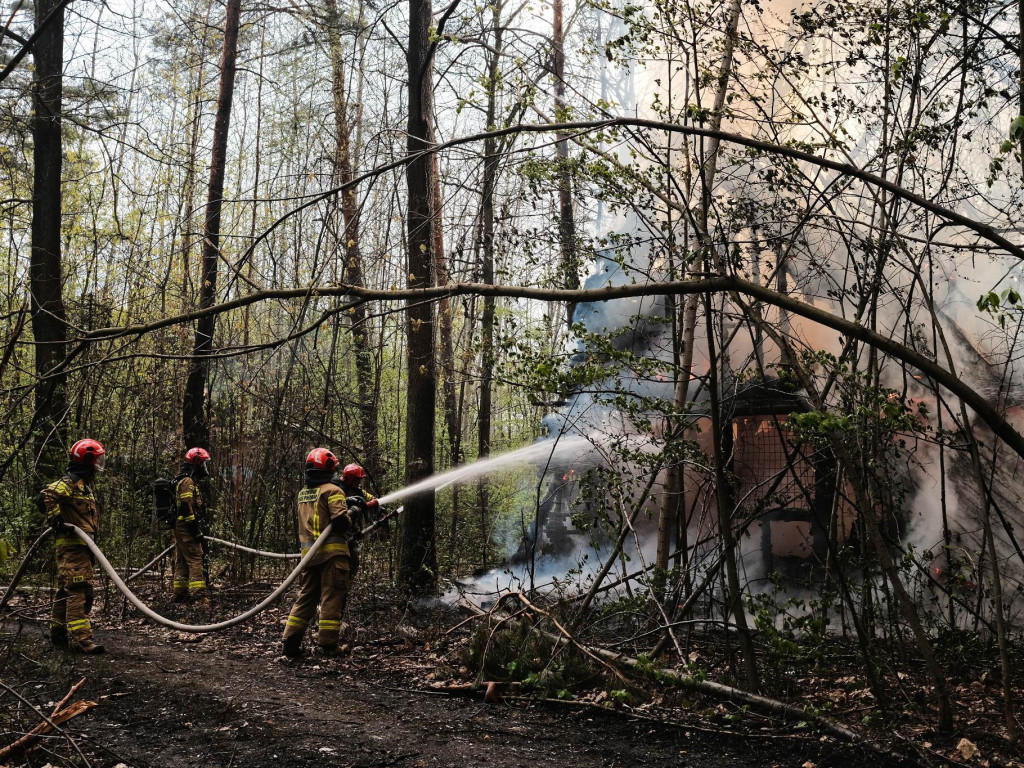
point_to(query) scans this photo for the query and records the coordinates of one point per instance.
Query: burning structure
(791, 503)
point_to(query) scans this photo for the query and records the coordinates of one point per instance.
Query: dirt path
(233, 702)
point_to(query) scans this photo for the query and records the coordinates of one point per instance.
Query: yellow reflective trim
(61, 487)
(334, 547)
(295, 621)
(80, 624)
(308, 495)
(329, 624)
(335, 497)
(185, 495)
(186, 519)
(71, 541)
(77, 579)
(180, 583)
(194, 584)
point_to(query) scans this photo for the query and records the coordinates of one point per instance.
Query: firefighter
(189, 579)
(325, 579)
(366, 503)
(70, 500)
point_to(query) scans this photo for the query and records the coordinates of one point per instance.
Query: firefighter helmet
(89, 452)
(352, 474)
(321, 458)
(196, 455)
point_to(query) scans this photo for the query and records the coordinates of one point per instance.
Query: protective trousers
(73, 600)
(188, 565)
(327, 585)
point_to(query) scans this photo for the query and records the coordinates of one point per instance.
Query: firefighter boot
(293, 646)
(88, 646)
(59, 636)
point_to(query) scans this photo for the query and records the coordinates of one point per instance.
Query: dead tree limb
(50, 723)
(568, 637)
(21, 568)
(763, 704)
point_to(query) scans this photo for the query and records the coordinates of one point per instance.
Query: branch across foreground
(357, 295)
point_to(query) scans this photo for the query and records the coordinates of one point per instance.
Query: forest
(679, 340)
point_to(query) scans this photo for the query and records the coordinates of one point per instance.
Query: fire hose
(148, 565)
(231, 544)
(197, 628)
(241, 548)
(102, 561)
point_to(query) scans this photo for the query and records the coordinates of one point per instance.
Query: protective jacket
(319, 506)
(72, 501)
(189, 578)
(360, 519)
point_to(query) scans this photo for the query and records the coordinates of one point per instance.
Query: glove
(357, 502)
(193, 528)
(58, 524)
(341, 523)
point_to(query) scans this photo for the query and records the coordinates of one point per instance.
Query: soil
(167, 699)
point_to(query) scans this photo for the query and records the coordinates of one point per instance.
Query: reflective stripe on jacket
(187, 499)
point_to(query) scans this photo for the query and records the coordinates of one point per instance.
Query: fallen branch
(645, 718)
(51, 722)
(728, 693)
(21, 568)
(569, 637)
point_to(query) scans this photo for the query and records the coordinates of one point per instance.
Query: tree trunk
(566, 222)
(417, 570)
(194, 407)
(688, 316)
(353, 274)
(444, 317)
(734, 596)
(49, 317)
(490, 175)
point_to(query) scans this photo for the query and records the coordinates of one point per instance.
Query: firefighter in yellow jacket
(367, 507)
(324, 581)
(70, 501)
(189, 579)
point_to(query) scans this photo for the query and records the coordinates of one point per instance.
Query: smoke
(822, 263)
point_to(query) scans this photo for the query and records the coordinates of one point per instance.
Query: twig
(70, 693)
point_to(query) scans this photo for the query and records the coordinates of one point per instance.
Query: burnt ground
(168, 700)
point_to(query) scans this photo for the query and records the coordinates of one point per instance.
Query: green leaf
(1017, 129)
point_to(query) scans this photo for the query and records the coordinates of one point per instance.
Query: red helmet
(321, 458)
(352, 474)
(89, 452)
(197, 455)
